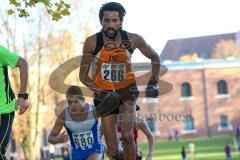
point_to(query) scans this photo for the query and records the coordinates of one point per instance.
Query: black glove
(151, 90)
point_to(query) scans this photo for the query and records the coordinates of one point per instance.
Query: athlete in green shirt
(8, 103)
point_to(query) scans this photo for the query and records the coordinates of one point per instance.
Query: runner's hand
(62, 137)
(152, 90)
(22, 105)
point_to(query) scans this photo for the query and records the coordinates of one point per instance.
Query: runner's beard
(111, 33)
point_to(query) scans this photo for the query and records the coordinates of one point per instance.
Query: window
(225, 124)
(188, 123)
(151, 124)
(224, 121)
(186, 90)
(222, 87)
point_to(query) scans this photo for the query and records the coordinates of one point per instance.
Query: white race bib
(83, 140)
(113, 72)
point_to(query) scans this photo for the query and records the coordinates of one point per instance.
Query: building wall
(224, 106)
(172, 104)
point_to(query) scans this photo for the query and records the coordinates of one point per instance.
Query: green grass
(206, 149)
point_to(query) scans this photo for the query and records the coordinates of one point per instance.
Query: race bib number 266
(113, 72)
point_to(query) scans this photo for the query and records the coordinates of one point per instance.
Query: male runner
(8, 103)
(107, 55)
(79, 119)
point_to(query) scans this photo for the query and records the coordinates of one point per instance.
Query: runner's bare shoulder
(61, 116)
(135, 39)
(90, 43)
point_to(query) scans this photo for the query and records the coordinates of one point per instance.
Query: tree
(31, 46)
(226, 48)
(55, 9)
(189, 57)
(36, 39)
(8, 33)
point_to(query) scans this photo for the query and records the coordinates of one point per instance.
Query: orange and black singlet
(111, 66)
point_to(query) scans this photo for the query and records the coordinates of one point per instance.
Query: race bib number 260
(83, 140)
(113, 72)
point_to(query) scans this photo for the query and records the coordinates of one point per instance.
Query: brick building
(204, 100)
(207, 90)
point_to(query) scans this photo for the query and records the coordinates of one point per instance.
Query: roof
(203, 46)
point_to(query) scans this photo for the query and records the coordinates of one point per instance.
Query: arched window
(222, 87)
(186, 90)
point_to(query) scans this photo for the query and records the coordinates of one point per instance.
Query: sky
(158, 20)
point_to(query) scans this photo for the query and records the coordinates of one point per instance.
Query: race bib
(83, 140)
(113, 72)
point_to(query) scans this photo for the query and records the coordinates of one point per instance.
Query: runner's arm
(86, 63)
(55, 136)
(148, 52)
(23, 67)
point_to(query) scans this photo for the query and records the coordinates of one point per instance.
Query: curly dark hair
(112, 6)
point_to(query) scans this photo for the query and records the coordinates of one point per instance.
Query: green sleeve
(7, 57)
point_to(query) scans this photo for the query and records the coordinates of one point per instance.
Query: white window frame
(149, 100)
(229, 127)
